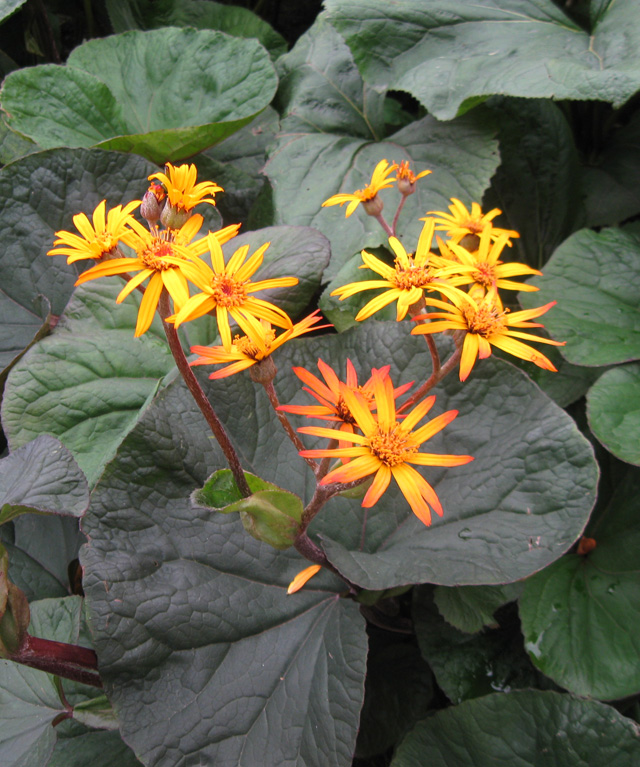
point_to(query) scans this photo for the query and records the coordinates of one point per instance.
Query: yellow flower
(379, 180)
(98, 238)
(486, 323)
(387, 447)
(483, 266)
(257, 345)
(406, 281)
(406, 178)
(161, 256)
(183, 192)
(461, 222)
(226, 289)
(302, 577)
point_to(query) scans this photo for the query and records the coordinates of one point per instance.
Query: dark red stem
(66, 660)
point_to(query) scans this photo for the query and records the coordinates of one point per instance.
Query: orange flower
(387, 448)
(379, 180)
(259, 343)
(461, 222)
(486, 323)
(180, 183)
(406, 178)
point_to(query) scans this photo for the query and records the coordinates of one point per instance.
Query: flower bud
(152, 203)
(173, 217)
(374, 206)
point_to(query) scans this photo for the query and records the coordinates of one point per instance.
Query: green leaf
(40, 551)
(29, 700)
(322, 91)
(471, 608)
(211, 85)
(531, 464)
(536, 183)
(528, 728)
(595, 278)
(191, 614)
(613, 408)
(578, 615)
(471, 665)
(13, 145)
(453, 51)
(7, 7)
(96, 748)
(612, 177)
(96, 712)
(41, 477)
(88, 381)
(462, 156)
(42, 193)
(232, 19)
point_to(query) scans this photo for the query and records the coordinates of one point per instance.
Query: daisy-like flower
(302, 577)
(183, 192)
(226, 291)
(160, 256)
(387, 448)
(379, 180)
(332, 405)
(257, 345)
(460, 222)
(406, 178)
(406, 281)
(99, 238)
(486, 323)
(483, 267)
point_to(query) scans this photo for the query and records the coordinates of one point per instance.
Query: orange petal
(302, 577)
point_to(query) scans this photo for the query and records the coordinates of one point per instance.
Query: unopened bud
(406, 187)
(152, 203)
(374, 206)
(173, 217)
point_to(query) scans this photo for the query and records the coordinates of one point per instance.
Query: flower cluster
(470, 256)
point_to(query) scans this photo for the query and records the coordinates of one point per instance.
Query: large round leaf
(613, 409)
(164, 94)
(450, 52)
(203, 654)
(523, 729)
(333, 137)
(579, 616)
(518, 506)
(41, 194)
(595, 278)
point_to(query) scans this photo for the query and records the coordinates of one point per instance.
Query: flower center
(153, 255)
(390, 447)
(368, 193)
(413, 277)
(484, 275)
(226, 291)
(485, 321)
(473, 225)
(245, 345)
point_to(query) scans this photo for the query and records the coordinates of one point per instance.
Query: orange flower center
(226, 291)
(391, 447)
(485, 275)
(245, 345)
(485, 321)
(153, 256)
(413, 277)
(475, 226)
(368, 193)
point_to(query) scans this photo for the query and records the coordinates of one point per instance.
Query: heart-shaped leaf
(41, 477)
(527, 728)
(191, 615)
(595, 278)
(613, 410)
(211, 85)
(455, 51)
(578, 615)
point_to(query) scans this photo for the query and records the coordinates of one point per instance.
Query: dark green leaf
(191, 615)
(13, 146)
(96, 748)
(579, 614)
(322, 91)
(211, 85)
(537, 181)
(306, 169)
(613, 408)
(87, 382)
(470, 665)
(595, 278)
(450, 52)
(528, 728)
(41, 477)
(232, 19)
(7, 7)
(41, 194)
(471, 608)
